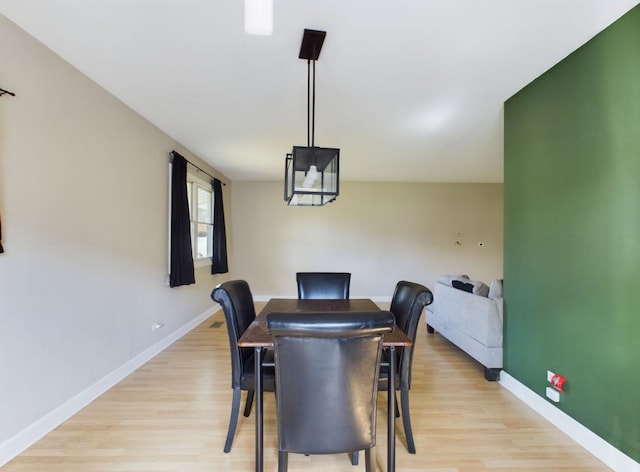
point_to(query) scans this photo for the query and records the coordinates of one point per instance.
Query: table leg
(258, 400)
(391, 412)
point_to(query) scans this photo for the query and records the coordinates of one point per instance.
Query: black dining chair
(407, 305)
(327, 366)
(239, 311)
(323, 285)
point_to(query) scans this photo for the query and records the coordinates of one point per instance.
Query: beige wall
(84, 198)
(84, 205)
(380, 232)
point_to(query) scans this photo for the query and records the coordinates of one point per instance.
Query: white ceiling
(410, 90)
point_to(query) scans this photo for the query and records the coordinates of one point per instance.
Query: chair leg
(368, 460)
(248, 403)
(406, 421)
(233, 421)
(283, 461)
(354, 458)
(395, 402)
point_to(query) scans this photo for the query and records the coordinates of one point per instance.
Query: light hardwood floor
(172, 415)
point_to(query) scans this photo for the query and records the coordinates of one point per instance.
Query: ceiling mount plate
(311, 44)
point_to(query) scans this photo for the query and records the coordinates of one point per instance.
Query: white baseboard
(612, 457)
(37, 430)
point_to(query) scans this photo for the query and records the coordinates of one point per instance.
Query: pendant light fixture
(311, 172)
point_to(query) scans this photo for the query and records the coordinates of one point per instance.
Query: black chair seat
(247, 380)
(384, 373)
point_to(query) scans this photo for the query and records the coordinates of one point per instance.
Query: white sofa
(471, 318)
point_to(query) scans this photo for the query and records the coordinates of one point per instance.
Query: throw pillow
(462, 286)
(479, 288)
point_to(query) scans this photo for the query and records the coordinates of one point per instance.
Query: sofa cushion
(495, 289)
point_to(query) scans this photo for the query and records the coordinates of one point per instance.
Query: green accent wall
(572, 233)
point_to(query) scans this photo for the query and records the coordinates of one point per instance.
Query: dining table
(257, 337)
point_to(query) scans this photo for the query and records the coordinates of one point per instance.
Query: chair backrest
(327, 367)
(239, 311)
(407, 304)
(323, 285)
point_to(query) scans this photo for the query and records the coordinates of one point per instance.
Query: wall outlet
(553, 394)
(156, 326)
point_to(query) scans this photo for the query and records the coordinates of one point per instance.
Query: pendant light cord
(311, 104)
(308, 102)
(313, 108)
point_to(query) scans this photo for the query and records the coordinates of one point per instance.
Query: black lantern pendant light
(311, 172)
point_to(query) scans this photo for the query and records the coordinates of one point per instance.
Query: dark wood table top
(257, 335)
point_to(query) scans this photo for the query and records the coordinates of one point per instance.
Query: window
(200, 196)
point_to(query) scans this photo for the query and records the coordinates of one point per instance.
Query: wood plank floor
(172, 415)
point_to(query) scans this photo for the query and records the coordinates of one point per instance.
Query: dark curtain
(219, 260)
(181, 271)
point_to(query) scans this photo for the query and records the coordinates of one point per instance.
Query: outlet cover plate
(553, 394)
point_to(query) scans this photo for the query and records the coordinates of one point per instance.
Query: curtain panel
(181, 270)
(1, 248)
(219, 259)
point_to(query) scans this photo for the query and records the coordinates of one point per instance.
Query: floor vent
(217, 324)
